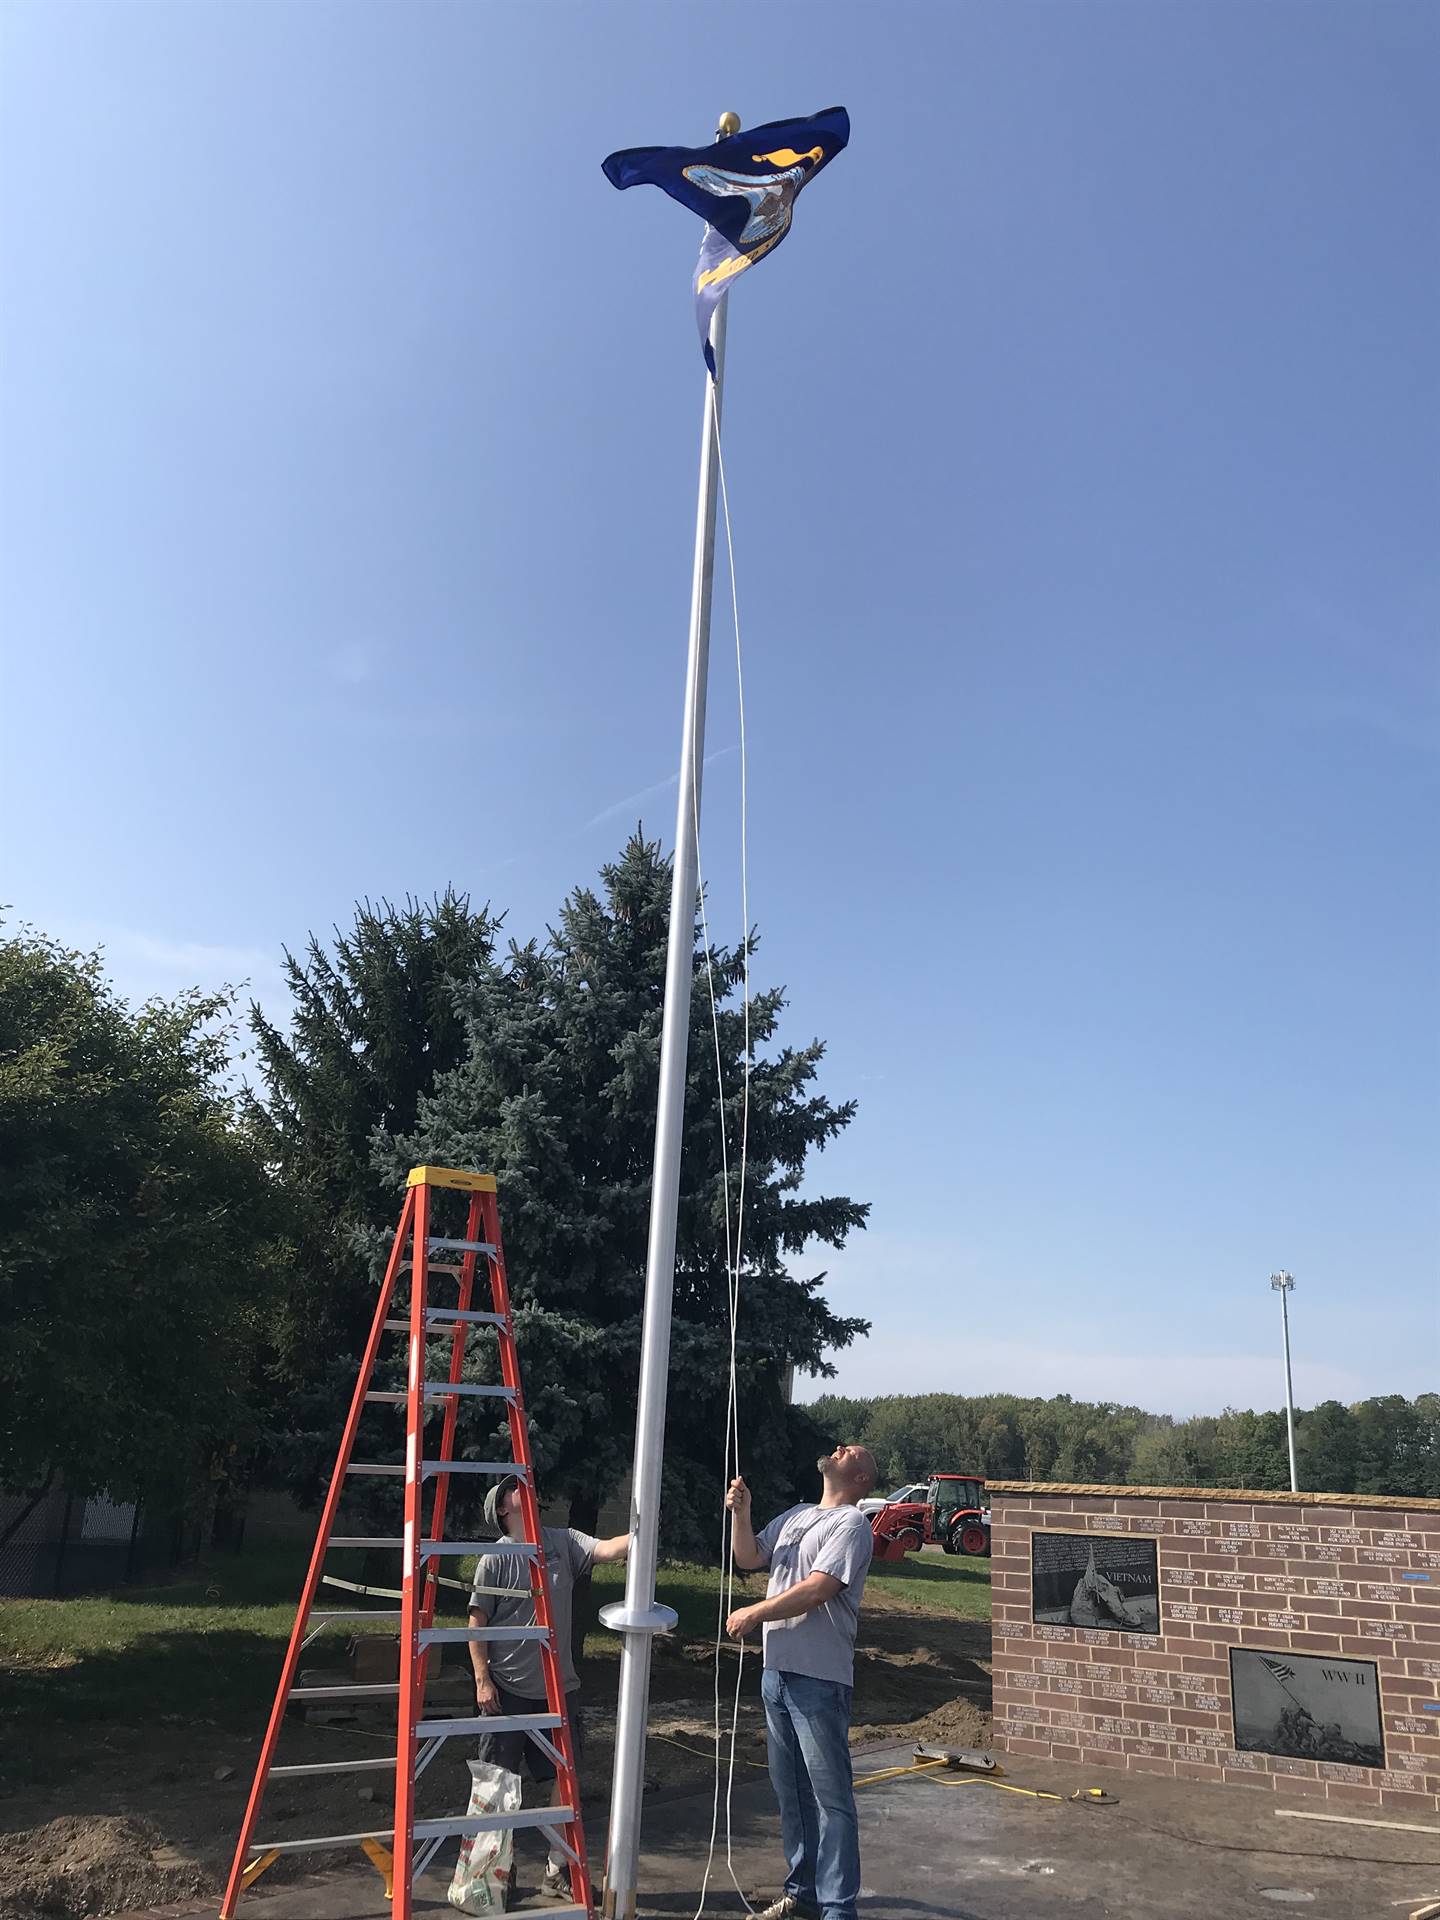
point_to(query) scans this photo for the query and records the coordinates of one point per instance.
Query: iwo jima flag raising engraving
(744, 187)
(1307, 1706)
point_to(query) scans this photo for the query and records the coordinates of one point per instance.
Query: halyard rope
(734, 1236)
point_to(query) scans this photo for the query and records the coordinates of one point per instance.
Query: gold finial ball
(727, 124)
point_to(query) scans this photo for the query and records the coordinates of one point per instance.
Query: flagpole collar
(727, 124)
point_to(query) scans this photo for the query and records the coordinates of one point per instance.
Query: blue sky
(1082, 450)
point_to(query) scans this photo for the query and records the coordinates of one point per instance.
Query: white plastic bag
(486, 1866)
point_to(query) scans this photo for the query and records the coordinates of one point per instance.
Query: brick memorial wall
(1287, 1642)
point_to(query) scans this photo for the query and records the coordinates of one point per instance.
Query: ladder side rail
(568, 1780)
(446, 1454)
(235, 1885)
(411, 1665)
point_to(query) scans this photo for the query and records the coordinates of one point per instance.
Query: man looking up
(818, 1557)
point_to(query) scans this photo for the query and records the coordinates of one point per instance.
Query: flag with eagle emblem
(744, 188)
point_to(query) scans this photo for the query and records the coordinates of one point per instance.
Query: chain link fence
(57, 1543)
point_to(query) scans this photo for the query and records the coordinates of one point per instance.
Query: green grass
(204, 1648)
(936, 1584)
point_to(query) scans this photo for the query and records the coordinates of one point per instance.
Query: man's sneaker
(787, 1907)
(556, 1884)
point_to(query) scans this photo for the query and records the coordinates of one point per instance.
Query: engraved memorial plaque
(1307, 1706)
(1095, 1582)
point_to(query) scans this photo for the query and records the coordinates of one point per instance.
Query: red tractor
(954, 1516)
(958, 1516)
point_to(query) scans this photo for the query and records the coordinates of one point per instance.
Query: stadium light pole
(1283, 1284)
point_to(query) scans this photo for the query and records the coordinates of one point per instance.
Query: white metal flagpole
(638, 1617)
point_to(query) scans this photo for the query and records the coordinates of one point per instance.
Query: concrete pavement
(951, 1847)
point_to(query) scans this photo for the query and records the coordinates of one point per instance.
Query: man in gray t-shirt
(503, 1594)
(818, 1557)
(509, 1674)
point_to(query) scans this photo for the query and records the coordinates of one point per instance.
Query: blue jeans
(808, 1722)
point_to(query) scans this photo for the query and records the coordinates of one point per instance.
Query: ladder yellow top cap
(451, 1177)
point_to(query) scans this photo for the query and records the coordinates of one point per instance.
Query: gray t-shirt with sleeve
(806, 1540)
(516, 1664)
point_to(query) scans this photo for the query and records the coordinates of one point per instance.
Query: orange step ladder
(403, 1851)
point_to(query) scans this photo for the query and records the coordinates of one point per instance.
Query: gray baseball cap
(492, 1502)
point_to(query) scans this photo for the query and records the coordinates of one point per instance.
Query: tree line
(1385, 1445)
(199, 1197)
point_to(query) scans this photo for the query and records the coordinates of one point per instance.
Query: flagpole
(638, 1618)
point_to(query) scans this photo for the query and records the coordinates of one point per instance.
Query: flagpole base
(621, 1618)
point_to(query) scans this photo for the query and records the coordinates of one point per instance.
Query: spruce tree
(372, 1022)
(555, 1094)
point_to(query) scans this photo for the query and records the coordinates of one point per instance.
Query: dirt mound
(72, 1868)
(958, 1723)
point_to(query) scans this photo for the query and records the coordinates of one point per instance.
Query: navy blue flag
(743, 188)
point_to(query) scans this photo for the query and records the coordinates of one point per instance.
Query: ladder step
(494, 1822)
(428, 1467)
(451, 1317)
(431, 1830)
(345, 1693)
(434, 1245)
(453, 1636)
(522, 1548)
(343, 1766)
(327, 1614)
(437, 1389)
(489, 1723)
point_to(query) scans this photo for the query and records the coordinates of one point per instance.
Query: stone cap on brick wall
(1253, 1496)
